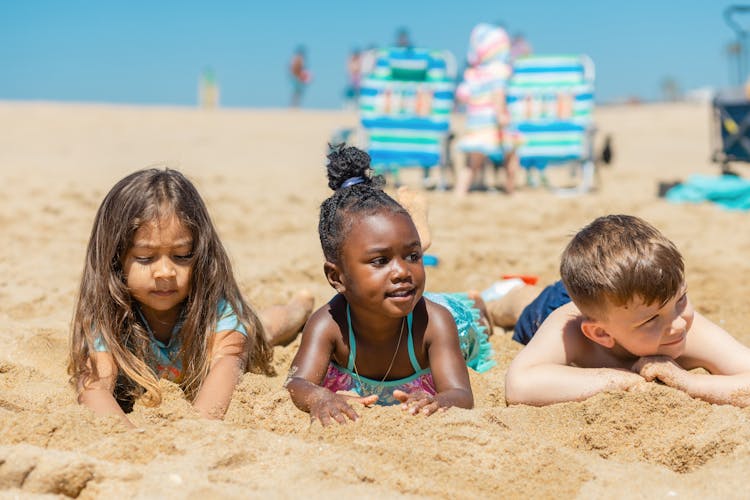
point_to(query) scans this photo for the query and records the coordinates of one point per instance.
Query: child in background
(621, 317)
(483, 91)
(158, 299)
(379, 340)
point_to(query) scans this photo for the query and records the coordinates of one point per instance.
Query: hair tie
(351, 181)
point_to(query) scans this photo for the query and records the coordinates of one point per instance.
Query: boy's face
(653, 329)
(381, 266)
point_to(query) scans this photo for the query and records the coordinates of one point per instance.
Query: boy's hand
(662, 368)
(417, 402)
(329, 406)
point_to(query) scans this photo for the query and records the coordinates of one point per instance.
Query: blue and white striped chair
(550, 102)
(405, 108)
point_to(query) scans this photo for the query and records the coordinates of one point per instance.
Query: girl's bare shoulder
(438, 320)
(327, 320)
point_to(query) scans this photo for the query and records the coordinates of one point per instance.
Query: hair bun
(346, 162)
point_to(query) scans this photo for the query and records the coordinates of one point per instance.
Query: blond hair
(617, 258)
(105, 311)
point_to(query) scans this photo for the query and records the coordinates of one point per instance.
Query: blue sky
(152, 52)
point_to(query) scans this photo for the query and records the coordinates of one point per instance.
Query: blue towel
(729, 191)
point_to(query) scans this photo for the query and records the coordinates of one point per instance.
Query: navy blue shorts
(535, 313)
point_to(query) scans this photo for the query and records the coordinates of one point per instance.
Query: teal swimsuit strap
(353, 343)
(412, 356)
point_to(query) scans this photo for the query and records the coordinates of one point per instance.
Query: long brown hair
(105, 309)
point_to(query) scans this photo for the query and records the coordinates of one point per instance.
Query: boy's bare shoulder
(562, 339)
(565, 321)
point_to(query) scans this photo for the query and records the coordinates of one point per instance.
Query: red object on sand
(526, 278)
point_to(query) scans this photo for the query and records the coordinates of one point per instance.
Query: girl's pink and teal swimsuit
(472, 337)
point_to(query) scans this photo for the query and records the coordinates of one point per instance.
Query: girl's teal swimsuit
(165, 361)
(472, 337)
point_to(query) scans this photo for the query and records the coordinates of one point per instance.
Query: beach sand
(262, 176)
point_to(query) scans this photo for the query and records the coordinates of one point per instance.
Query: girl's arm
(228, 361)
(308, 369)
(97, 394)
(710, 347)
(448, 368)
(541, 374)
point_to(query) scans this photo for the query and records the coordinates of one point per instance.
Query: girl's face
(158, 266)
(381, 264)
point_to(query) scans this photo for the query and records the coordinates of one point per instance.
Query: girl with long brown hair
(158, 298)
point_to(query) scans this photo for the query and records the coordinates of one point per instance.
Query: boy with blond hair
(619, 318)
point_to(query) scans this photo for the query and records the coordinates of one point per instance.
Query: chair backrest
(550, 103)
(405, 106)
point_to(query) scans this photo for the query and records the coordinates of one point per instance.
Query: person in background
(483, 92)
(354, 77)
(299, 74)
(519, 47)
(403, 40)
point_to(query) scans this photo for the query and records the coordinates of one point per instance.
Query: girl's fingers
(417, 406)
(325, 419)
(430, 408)
(338, 416)
(368, 400)
(349, 412)
(401, 396)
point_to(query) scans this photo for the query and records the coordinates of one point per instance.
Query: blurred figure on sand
(519, 47)
(354, 77)
(483, 92)
(299, 75)
(208, 90)
(403, 40)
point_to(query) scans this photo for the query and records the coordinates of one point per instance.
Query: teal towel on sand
(729, 191)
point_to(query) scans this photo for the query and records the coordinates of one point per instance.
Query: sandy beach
(262, 175)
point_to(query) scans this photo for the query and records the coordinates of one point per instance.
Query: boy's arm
(98, 394)
(228, 361)
(541, 373)
(707, 346)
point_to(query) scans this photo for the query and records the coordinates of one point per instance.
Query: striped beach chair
(550, 102)
(405, 108)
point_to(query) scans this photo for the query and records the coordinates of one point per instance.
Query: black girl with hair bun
(380, 339)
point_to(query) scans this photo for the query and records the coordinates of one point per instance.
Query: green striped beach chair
(550, 102)
(405, 108)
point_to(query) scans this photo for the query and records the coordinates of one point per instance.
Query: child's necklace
(393, 359)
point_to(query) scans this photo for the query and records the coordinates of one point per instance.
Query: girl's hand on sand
(417, 402)
(662, 368)
(335, 407)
